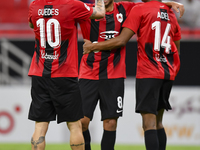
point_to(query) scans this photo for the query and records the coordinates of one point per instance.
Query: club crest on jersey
(163, 15)
(119, 17)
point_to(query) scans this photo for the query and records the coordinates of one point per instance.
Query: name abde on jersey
(163, 15)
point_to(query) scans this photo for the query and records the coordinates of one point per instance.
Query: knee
(159, 125)
(149, 125)
(74, 126)
(149, 121)
(85, 123)
(110, 124)
(40, 129)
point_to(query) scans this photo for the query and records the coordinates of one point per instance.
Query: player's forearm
(109, 44)
(98, 10)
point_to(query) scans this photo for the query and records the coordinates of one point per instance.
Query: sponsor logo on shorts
(119, 111)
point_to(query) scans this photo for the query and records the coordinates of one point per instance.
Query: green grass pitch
(11, 146)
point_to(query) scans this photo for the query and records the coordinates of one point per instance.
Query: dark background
(189, 73)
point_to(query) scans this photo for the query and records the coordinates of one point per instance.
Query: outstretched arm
(98, 10)
(178, 7)
(113, 43)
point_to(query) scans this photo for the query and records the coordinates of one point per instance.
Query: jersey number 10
(52, 29)
(166, 38)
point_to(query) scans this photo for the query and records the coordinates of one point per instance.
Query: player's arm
(31, 25)
(98, 10)
(178, 7)
(113, 43)
(177, 43)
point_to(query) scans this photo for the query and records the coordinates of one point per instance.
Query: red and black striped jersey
(107, 64)
(157, 29)
(55, 28)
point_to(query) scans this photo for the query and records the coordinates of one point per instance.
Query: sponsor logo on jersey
(160, 58)
(87, 7)
(47, 56)
(120, 17)
(163, 15)
(108, 34)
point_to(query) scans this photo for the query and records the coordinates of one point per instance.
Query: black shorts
(109, 92)
(152, 95)
(55, 96)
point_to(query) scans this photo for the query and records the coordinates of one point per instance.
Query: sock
(151, 140)
(108, 140)
(86, 135)
(162, 138)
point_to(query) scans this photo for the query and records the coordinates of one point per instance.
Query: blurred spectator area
(14, 19)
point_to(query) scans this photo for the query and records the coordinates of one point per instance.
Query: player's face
(108, 2)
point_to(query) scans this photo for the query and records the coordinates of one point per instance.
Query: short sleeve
(177, 35)
(133, 20)
(30, 11)
(81, 11)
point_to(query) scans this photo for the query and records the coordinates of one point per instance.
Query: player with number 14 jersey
(157, 54)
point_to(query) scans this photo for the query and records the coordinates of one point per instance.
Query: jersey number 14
(165, 43)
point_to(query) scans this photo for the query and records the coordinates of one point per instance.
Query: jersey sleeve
(81, 11)
(177, 35)
(128, 5)
(133, 20)
(30, 11)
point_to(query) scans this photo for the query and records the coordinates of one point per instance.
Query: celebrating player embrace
(158, 63)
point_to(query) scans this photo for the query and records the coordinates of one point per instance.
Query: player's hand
(87, 46)
(178, 7)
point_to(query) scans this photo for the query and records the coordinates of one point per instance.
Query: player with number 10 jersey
(56, 52)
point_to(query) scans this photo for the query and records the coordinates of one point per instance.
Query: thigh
(147, 95)
(164, 95)
(89, 93)
(41, 108)
(111, 98)
(66, 97)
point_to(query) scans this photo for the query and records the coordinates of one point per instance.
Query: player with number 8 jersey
(158, 37)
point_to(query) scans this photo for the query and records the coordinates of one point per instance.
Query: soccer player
(102, 73)
(158, 63)
(54, 67)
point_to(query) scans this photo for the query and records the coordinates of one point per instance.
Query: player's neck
(110, 7)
